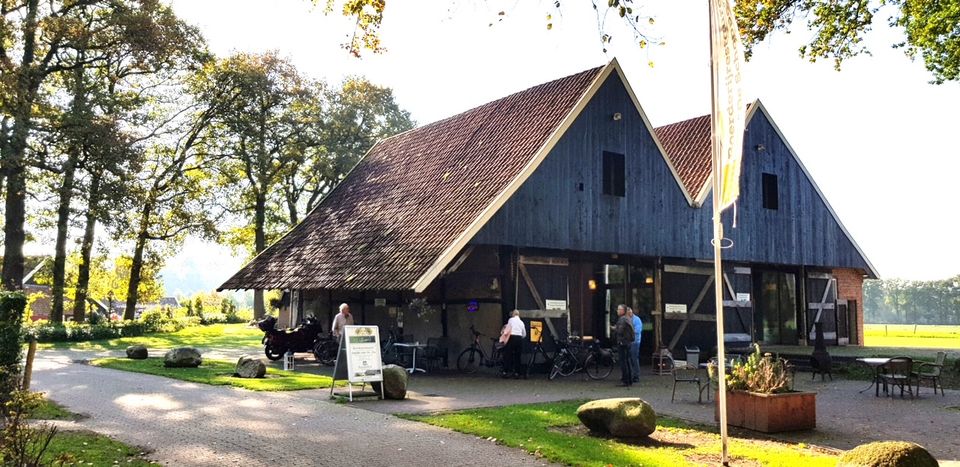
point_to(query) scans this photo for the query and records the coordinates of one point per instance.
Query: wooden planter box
(771, 413)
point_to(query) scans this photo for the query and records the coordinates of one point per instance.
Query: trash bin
(693, 356)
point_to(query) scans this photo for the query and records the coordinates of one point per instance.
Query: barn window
(771, 196)
(613, 174)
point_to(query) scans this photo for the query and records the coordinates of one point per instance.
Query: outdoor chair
(436, 352)
(897, 372)
(688, 371)
(931, 372)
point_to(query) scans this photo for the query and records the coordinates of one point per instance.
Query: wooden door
(822, 306)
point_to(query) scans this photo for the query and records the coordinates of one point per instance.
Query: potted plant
(760, 397)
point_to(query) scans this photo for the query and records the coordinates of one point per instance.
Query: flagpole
(717, 238)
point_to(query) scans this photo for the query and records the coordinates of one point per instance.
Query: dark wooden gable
(562, 204)
(802, 229)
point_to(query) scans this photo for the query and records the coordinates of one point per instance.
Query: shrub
(887, 454)
(21, 443)
(12, 305)
(760, 373)
(213, 318)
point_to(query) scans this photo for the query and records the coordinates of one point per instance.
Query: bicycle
(572, 357)
(473, 357)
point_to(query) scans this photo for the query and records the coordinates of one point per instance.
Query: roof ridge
(498, 101)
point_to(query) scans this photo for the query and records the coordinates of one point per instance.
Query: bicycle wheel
(555, 368)
(598, 367)
(469, 361)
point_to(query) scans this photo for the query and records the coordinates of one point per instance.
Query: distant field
(909, 335)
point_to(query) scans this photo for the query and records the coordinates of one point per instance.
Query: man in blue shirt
(635, 347)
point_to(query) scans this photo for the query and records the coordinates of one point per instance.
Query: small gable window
(614, 182)
(771, 195)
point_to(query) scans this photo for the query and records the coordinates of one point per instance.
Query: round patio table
(413, 364)
(875, 363)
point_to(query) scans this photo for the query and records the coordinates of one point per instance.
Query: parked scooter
(303, 338)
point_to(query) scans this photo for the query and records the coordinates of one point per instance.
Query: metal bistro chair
(436, 352)
(897, 372)
(931, 372)
(688, 372)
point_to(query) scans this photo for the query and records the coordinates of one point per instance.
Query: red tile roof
(687, 144)
(413, 194)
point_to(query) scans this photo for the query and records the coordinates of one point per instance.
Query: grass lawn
(86, 448)
(214, 335)
(50, 410)
(552, 431)
(909, 335)
(220, 373)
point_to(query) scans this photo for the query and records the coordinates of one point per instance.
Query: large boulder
(623, 417)
(394, 382)
(182, 357)
(250, 367)
(137, 352)
(887, 454)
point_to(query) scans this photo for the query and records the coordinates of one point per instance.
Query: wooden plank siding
(653, 218)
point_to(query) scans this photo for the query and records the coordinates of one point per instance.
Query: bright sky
(877, 137)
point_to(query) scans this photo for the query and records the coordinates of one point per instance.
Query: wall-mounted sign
(671, 308)
(743, 297)
(379, 302)
(556, 304)
(536, 331)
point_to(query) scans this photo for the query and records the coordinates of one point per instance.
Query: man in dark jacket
(624, 335)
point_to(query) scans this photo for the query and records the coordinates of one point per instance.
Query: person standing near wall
(624, 337)
(635, 347)
(514, 348)
(344, 318)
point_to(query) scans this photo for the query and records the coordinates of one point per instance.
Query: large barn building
(563, 201)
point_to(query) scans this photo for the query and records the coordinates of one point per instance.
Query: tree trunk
(83, 274)
(136, 266)
(259, 244)
(15, 203)
(63, 221)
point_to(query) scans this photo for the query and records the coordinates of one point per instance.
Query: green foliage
(153, 321)
(220, 373)
(217, 335)
(887, 454)
(839, 28)
(760, 373)
(912, 302)
(23, 444)
(12, 305)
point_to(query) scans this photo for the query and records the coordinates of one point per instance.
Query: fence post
(28, 367)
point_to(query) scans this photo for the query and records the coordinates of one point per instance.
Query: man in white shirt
(514, 348)
(344, 318)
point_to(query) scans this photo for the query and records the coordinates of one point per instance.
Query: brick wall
(850, 287)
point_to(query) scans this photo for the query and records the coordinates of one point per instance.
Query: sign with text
(363, 354)
(536, 331)
(743, 297)
(675, 308)
(555, 304)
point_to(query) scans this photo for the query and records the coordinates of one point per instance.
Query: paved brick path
(187, 424)
(845, 417)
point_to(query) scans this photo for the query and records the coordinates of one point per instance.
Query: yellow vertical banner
(729, 110)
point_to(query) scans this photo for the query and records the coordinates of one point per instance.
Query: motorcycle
(304, 338)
